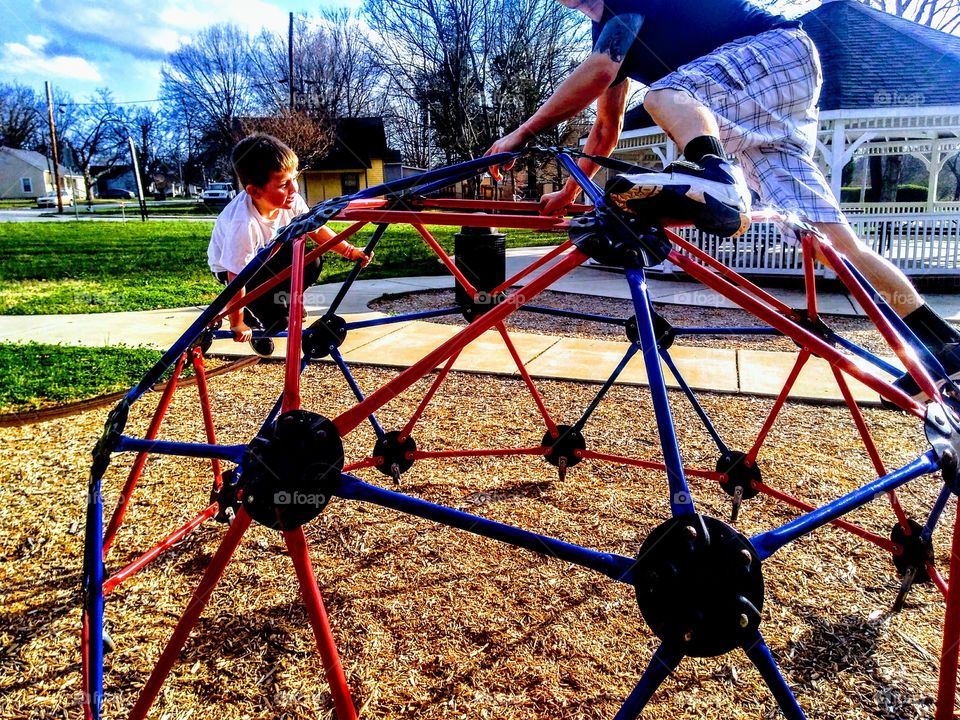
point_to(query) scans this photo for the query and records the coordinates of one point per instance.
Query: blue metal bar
(586, 184)
(935, 513)
(572, 315)
(662, 664)
(697, 407)
(357, 392)
(233, 453)
(751, 330)
(618, 567)
(355, 270)
(199, 325)
(868, 356)
(769, 542)
(93, 595)
(423, 315)
(631, 351)
(681, 502)
(760, 655)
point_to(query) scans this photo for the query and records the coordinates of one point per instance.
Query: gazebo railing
(897, 208)
(926, 244)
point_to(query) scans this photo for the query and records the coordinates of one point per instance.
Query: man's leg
(681, 116)
(886, 278)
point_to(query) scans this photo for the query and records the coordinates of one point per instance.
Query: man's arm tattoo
(618, 35)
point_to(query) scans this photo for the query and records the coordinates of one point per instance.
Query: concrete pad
(489, 354)
(154, 328)
(404, 347)
(595, 360)
(764, 373)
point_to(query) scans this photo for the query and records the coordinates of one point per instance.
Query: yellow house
(358, 159)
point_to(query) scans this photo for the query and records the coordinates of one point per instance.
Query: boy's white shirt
(240, 232)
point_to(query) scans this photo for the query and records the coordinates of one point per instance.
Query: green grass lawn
(89, 266)
(34, 375)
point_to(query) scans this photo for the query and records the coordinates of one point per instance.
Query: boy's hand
(556, 203)
(241, 333)
(354, 254)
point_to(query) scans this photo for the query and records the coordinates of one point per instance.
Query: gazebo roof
(872, 59)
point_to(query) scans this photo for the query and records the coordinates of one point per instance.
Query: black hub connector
(290, 472)
(619, 239)
(325, 333)
(699, 585)
(563, 448)
(817, 327)
(112, 430)
(942, 427)
(205, 340)
(739, 475)
(394, 452)
(226, 498)
(662, 330)
(916, 552)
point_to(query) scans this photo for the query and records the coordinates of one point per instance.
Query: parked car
(219, 193)
(50, 200)
(117, 194)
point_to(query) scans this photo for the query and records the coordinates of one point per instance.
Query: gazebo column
(836, 159)
(936, 165)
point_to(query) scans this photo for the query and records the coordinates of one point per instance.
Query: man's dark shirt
(674, 32)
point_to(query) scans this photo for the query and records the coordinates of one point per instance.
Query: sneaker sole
(681, 202)
(910, 387)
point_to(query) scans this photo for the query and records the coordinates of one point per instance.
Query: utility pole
(53, 145)
(290, 60)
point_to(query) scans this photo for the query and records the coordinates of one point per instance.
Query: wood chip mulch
(433, 622)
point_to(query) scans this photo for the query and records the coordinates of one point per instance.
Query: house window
(349, 183)
(26, 184)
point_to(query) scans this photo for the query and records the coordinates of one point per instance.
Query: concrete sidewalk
(400, 344)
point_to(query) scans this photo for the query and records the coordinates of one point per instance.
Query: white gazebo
(891, 87)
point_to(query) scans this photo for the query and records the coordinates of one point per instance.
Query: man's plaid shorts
(764, 90)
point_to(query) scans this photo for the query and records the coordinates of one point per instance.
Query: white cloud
(20, 60)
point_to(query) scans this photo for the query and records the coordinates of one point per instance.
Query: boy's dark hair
(257, 156)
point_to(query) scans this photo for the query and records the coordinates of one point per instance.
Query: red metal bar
(415, 418)
(291, 378)
(725, 272)
(141, 460)
(907, 354)
(445, 259)
(777, 406)
(947, 687)
(168, 542)
(365, 463)
(533, 267)
(85, 666)
(878, 540)
(526, 222)
(871, 448)
(531, 206)
(267, 286)
(937, 578)
(649, 465)
(297, 547)
(424, 454)
(208, 427)
(798, 333)
(541, 406)
(190, 616)
(348, 420)
(809, 280)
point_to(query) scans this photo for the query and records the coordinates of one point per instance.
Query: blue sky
(82, 45)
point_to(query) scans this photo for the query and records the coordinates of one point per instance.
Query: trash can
(480, 254)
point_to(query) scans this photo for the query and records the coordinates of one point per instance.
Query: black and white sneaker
(712, 194)
(949, 357)
(262, 346)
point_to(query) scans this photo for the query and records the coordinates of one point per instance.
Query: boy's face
(277, 193)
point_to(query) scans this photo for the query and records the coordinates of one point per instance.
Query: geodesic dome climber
(699, 582)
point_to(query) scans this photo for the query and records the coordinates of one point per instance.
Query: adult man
(724, 77)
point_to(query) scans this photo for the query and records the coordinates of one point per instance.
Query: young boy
(725, 77)
(267, 169)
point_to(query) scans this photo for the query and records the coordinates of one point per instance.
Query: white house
(28, 174)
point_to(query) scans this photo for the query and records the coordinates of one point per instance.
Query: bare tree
(21, 116)
(335, 74)
(94, 134)
(938, 14)
(211, 77)
(309, 137)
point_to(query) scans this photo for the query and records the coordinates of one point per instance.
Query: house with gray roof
(26, 174)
